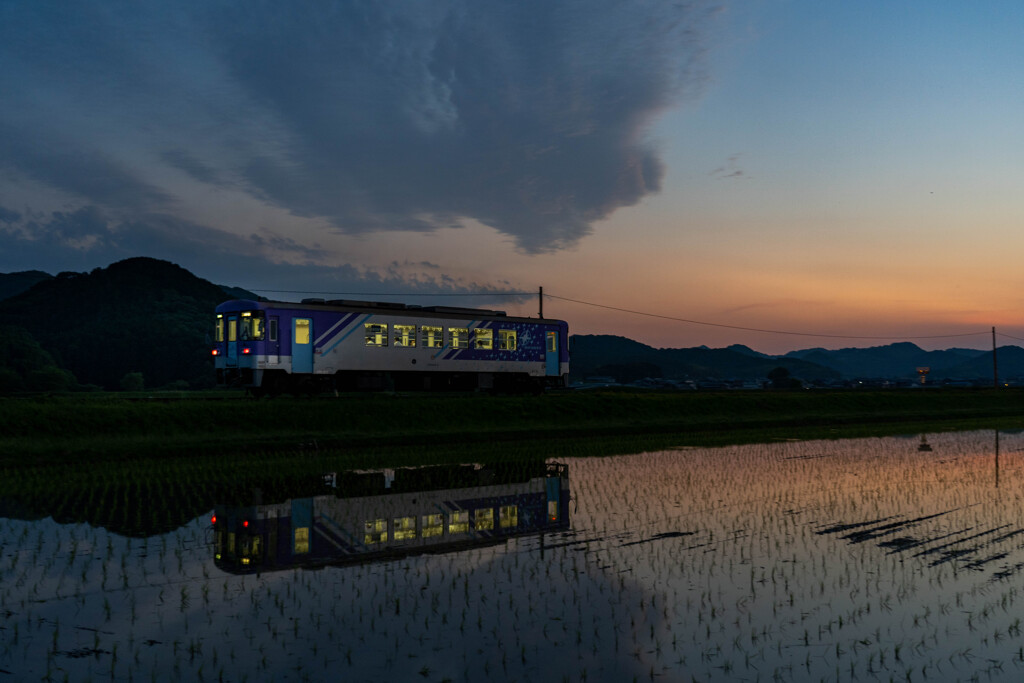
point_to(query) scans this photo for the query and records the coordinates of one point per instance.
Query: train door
(302, 525)
(302, 345)
(551, 354)
(553, 489)
(273, 341)
(232, 337)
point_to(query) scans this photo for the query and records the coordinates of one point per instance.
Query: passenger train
(270, 347)
(388, 514)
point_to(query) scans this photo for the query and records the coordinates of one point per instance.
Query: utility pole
(540, 298)
(995, 365)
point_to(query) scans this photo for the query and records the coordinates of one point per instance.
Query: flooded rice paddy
(873, 559)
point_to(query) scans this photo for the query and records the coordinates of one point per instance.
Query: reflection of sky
(710, 563)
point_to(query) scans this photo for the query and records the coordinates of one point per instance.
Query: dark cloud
(529, 116)
(9, 216)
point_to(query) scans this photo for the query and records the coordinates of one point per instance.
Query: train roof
(384, 307)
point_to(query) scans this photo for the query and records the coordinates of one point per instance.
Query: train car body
(338, 530)
(273, 347)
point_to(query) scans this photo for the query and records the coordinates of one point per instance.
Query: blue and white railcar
(273, 347)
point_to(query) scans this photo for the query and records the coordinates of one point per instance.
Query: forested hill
(141, 315)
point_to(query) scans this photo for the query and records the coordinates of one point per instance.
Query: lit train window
(483, 339)
(376, 334)
(459, 337)
(232, 330)
(507, 340)
(302, 540)
(459, 522)
(405, 528)
(508, 516)
(219, 329)
(430, 337)
(433, 525)
(252, 326)
(552, 341)
(405, 335)
(375, 531)
(483, 518)
(302, 330)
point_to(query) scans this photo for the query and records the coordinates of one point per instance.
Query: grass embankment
(364, 427)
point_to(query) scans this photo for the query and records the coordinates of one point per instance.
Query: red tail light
(213, 520)
(245, 350)
(215, 352)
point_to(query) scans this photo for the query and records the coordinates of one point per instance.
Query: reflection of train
(269, 346)
(379, 515)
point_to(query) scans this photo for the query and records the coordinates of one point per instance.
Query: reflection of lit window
(507, 340)
(483, 339)
(459, 522)
(302, 540)
(553, 510)
(508, 516)
(483, 518)
(231, 543)
(430, 337)
(405, 335)
(433, 525)
(376, 334)
(459, 337)
(405, 528)
(375, 531)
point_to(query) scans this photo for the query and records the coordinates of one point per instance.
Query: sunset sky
(833, 168)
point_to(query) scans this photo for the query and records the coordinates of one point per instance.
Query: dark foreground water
(875, 559)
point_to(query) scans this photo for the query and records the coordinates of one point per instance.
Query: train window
(272, 331)
(375, 531)
(483, 339)
(302, 540)
(376, 334)
(405, 528)
(232, 330)
(507, 340)
(553, 510)
(458, 337)
(405, 335)
(252, 326)
(430, 337)
(218, 333)
(508, 516)
(459, 522)
(552, 341)
(433, 525)
(483, 518)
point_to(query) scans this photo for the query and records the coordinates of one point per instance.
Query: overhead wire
(648, 314)
(757, 329)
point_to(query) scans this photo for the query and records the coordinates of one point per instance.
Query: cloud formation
(530, 117)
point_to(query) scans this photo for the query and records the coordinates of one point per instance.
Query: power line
(295, 291)
(755, 329)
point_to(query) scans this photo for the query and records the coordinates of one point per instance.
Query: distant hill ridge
(152, 316)
(607, 355)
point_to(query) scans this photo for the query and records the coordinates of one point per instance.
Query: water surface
(895, 558)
